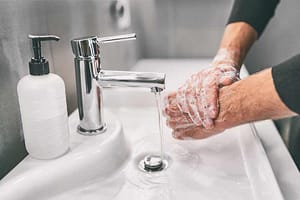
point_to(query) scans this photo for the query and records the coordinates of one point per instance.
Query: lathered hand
(182, 124)
(198, 97)
(242, 102)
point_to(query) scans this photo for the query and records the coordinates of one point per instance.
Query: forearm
(246, 23)
(198, 97)
(237, 39)
(256, 13)
(203, 86)
(252, 99)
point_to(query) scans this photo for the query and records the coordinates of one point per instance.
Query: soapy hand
(182, 125)
(198, 97)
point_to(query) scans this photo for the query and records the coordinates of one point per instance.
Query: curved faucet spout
(91, 78)
(150, 80)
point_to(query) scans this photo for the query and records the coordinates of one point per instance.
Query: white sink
(89, 159)
(232, 165)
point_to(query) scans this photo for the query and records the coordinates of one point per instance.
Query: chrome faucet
(91, 78)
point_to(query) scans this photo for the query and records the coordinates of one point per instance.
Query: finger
(193, 111)
(203, 107)
(181, 93)
(170, 106)
(180, 122)
(224, 81)
(228, 79)
(165, 105)
(226, 68)
(209, 99)
(171, 113)
(228, 76)
(180, 99)
(175, 125)
(170, 98)
(176, 136)
(195, 133)
(183, 118)
(208, 123)
(197, 86)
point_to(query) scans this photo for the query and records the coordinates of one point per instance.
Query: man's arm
(251, 99)
(256, 13)
(198, 97)
(237, 39)
(246, 23)
(203, 87)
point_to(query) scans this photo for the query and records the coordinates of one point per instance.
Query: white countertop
(283, 166)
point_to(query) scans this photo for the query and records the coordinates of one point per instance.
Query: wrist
(251, 99)
(231, 112)
(238, 38)
(227, 57)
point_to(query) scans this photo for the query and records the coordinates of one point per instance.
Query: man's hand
(251, 99)
(182, 124)
(198, 97)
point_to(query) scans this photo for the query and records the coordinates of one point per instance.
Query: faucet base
(98, 131)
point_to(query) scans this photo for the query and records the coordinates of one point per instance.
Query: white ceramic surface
(232, 165)
(88, 159)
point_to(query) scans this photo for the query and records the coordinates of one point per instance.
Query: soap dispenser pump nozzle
(38, 64)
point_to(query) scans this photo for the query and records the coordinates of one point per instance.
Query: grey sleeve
(257, 13)
(286, 77)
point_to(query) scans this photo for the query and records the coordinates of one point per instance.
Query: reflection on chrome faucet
(90, 78)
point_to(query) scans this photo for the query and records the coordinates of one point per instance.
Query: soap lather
(43, 107)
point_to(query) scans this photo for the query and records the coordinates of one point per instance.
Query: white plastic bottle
(42, 101)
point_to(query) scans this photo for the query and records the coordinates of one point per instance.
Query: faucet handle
(117, 38)
(88, 47)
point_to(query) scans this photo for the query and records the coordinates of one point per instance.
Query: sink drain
(153, 163)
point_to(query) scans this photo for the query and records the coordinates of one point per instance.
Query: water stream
(160, 124)
(152, 162)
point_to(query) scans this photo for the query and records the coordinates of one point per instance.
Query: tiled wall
(280, 40)
(181, 28)
(66, 18)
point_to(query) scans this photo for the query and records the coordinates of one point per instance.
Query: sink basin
(229, 166)
(89, 159)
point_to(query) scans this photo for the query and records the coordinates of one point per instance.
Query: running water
(152, 163)
(160, 124)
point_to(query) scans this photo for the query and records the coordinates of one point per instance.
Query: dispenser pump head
(38, 65)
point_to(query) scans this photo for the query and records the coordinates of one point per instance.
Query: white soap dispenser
(43, 107)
